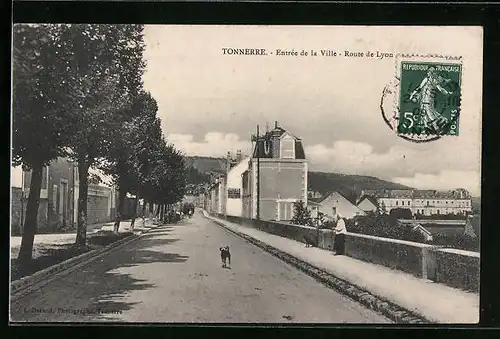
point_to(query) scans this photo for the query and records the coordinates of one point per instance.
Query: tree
(166, 182)
(381, 209)
(301, 214)
(401, 213)
(41, 114)
(127, 160)
(105, 69)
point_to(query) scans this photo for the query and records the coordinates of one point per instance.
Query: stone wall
(97, 209)
(295, 232)
(457, 268)
(397, 254)
(452, 267)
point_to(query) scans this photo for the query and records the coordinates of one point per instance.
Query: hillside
(206, 164)
(349, 185)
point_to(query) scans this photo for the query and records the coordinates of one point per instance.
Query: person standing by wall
(339, 240)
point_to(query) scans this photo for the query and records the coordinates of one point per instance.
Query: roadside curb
(26, 285)
(387, 308)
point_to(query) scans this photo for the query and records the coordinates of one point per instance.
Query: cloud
(215, 144)
(444, 180)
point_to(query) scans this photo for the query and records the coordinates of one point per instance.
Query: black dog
(309, 242)
(225, 255)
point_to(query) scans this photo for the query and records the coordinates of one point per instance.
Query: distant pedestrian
(339, 240)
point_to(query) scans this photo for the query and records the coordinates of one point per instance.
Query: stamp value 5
(429, 98)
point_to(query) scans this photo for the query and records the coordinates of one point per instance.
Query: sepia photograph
(245, 174)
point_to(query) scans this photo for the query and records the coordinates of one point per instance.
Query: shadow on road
(99, 291)
(115, 286)
(158, 233)
(158, 230)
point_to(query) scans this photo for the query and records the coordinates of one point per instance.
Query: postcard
(246, 174)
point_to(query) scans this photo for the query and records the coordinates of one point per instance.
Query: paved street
(174, 274)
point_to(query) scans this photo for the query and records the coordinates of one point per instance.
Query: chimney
(238, 156)
(276, 124)
(228, 162)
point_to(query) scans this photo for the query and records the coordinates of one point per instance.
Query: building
(368, 203)
(335, 203)
(59, 199)
(234, 183)
(278, 168)
(313, 194)
(422, 202)
(224, 195)
(425, 232)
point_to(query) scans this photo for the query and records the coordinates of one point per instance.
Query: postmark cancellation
(422, 103)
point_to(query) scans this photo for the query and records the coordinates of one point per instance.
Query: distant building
(368, 203)
(314, 207)
(335, 203)
(234, 203)
(59, 199)
(425, 232)
(313, 194)
(423, 202)
(283, 176)
(224, 195)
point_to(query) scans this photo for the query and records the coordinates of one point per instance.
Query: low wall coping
(294, 225)
(390, 240)
(431, 221)
(460, 252)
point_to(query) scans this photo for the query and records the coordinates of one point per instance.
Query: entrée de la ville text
(304, 53)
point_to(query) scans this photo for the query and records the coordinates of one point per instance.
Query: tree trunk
(144, 213)
(122, 193)
(134, 213)
(83, 190)
(31, 219)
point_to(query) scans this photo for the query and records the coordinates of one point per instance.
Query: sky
(210, 103)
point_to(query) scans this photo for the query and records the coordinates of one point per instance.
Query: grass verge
(47, 255)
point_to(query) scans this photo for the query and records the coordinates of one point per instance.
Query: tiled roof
(259, 150)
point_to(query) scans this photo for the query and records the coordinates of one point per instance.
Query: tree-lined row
(78, 93)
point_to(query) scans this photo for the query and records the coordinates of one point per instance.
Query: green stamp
(429, 98)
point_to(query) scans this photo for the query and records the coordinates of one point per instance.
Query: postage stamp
(426, 94)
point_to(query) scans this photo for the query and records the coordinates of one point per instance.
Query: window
(396, 202)
(288, 148)
(427, 202)
(437, 211)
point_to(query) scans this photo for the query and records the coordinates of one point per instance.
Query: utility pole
(258, 175)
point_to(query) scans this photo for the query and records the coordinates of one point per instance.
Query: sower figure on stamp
(425, 94)
(339, 240)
